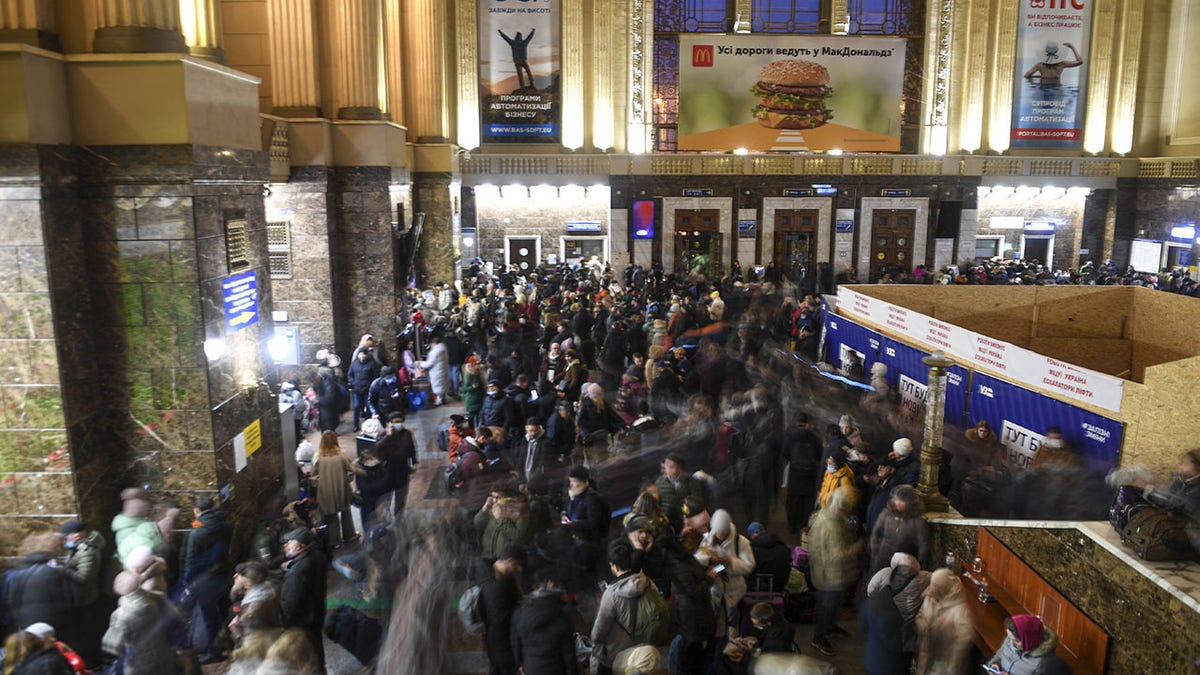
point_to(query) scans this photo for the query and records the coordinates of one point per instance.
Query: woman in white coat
(944, 628)
(723, 547)
(437, 367)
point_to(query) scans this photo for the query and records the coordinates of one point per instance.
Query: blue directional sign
(240, 293)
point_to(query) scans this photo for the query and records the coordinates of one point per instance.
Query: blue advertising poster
(519, 68)
(908, 376)
(240, 295)
(1051, 73)
(1020, 418)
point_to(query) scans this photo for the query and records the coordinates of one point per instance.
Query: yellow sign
(253, 433)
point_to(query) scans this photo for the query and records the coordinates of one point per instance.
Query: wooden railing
(1017, 589)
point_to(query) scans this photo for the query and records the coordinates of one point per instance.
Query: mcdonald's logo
(702, 56)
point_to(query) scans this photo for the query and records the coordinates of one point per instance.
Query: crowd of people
(700, 404)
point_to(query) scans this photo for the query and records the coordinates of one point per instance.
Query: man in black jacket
(398, 451)
(37, 590)
(302, 599)
(362, 372)
(204, 582)
(772, 558)
(386, 395)
(497, 409)
(803, 450)
(543, 641)
(499, 595)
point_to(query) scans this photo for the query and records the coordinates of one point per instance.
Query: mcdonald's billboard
(801, 85)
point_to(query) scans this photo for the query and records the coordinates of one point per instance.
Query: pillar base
(137, 40)
(296, 111)
(31, 36)
(214, 54)
(360, 113)
(934, 501)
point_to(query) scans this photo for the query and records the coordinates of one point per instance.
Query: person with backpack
(499, 596)
(616, 627)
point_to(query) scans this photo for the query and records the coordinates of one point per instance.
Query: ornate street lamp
(931, 446)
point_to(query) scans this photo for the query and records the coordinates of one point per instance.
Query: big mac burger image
(791, 95)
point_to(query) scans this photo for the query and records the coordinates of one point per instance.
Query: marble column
(201, 21)
(393, 58)
(425, 43)
(435, 195)
(355, 37)
(296, 90)
(138, 26)
(30, 22)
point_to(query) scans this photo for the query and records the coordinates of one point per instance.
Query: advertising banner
(519, 71)
(784, 93)
(908, 376)
(1021, 416)
(1051, 73)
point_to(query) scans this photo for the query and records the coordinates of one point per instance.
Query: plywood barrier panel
(1166, 320)
(1112, 357)
(921, 299)
(1169, 421)
(1079, 311)
(1148, 354)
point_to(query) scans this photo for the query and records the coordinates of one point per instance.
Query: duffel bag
(1156, 535)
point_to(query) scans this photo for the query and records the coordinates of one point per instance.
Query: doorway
(698, 243)
(524, 252)
(891, 241)
(1176, 255)
(1038, 249)
(795, 242)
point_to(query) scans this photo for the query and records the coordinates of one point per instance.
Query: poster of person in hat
(1050, 75)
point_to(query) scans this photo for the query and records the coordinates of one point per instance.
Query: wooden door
(523, 252)
(698, 242)
(891, 241)
(795, 242)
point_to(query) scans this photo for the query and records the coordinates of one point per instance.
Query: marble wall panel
(10, 272)
(189, 470)
(20, 221)
(143, 262)
(45, 493)
(31, 261)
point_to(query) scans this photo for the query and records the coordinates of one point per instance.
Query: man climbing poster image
(519, 68)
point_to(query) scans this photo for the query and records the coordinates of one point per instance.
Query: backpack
(453, 475)
(343, 397)
(651, 619)
(469, 612)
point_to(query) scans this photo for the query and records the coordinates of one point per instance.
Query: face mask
(371, 462)
(830, 469)
(493, 392)
(397, 426)
(1052, 443)
(70, 544)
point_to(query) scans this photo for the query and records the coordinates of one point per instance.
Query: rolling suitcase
(757, 595)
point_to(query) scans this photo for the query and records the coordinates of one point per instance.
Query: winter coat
(561, 433)
(302, 597)
(361, 374)
(671, 496)
(34, 591)
(843, 478)
(890, 530)
(691, 599)
(832, 551)
(260, 608)
(498, 534)
(803, 450)
(908, 584)
(332, 474)
(207, 546)
(471, 389)
(533, 453)
(328, 403)
(772, 558)
(385, 397)
(498, 599)
(48, 661)
(398, 451)
(137, 629)
(437, 367)
(543, 641)
(1041, 660)
(738, 556)
(883, 648)
(778, 636)
(587, 515)
(374, 483)
(592, 418)
(85, 562)
(618, 606)
(497, 411)
(945, 634)
(131, 532)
